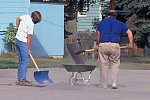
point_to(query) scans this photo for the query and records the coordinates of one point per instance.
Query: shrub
(9, 37)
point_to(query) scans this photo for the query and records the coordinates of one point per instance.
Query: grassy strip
(9, 62)
(134, 66)
(136, 63)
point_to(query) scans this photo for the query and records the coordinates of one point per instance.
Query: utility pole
(112, 4)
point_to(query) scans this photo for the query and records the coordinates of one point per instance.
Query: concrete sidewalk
(133, 84)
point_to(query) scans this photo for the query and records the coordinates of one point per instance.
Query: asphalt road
(133, 85)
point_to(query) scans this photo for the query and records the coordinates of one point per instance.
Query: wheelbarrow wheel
(87, 82)
(73, 79)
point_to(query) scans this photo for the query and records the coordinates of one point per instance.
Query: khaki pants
(109, 55)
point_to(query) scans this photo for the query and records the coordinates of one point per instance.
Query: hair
(112, 13)
(36, 17)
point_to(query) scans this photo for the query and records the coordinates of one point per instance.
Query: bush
(9, 37)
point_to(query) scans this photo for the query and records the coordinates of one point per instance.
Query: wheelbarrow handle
(88, 50)
(94, 49)
(123, 47)
(34, 62)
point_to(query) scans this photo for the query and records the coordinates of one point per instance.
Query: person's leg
(115, 62)
(22, 51)
(19, 59)
(103, 58)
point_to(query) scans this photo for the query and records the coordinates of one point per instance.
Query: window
(83, 13)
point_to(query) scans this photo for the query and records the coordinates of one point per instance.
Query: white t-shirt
(26, 27)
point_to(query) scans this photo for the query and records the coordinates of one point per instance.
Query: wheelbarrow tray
(79, 67)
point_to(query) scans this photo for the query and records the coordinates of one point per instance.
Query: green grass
(134, 66)
(136, 63)
(8, 62)
(11, 61)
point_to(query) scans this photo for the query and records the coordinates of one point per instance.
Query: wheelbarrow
(79, 68)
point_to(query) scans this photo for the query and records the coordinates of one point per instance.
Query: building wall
(9, 10)
(85, 23)
(48, 38)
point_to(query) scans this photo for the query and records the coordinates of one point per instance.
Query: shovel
(41, 76)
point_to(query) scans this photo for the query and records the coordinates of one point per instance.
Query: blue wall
(48, 38)
(9, 10)
(2, 51)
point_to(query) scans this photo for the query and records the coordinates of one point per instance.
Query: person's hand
(96, 47)
(130, 45)
(29, 52)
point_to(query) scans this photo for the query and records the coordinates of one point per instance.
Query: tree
(112, 4)
(138, 18)
(74, 6)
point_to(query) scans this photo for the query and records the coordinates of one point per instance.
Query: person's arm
(98, 38)
(18, 22)
(130, 37)
(29, 37)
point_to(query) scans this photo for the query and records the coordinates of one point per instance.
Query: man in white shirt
(25, 25)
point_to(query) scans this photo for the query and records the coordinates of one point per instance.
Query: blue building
(48, 38)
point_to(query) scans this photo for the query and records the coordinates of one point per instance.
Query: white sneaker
(114, 86)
